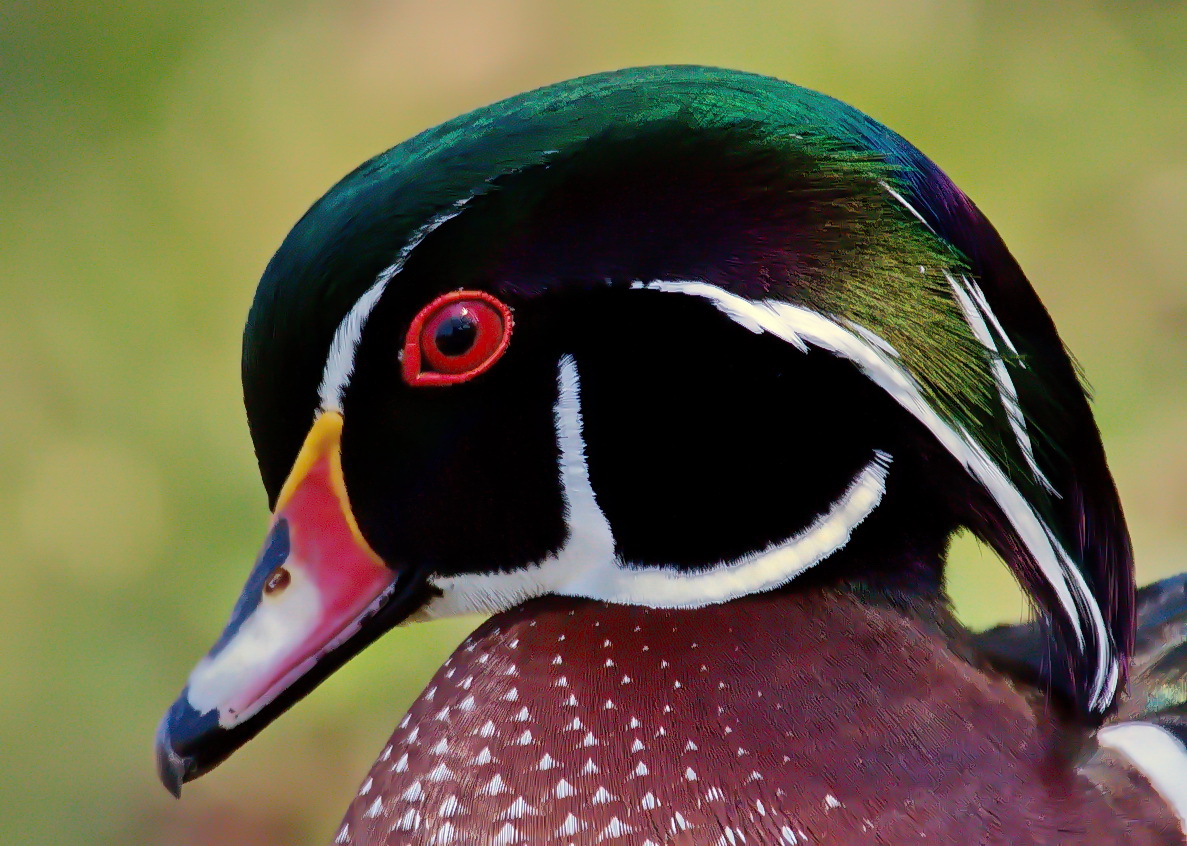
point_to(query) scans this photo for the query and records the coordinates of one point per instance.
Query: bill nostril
(277, 581)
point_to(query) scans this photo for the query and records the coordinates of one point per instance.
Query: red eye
(456, 337)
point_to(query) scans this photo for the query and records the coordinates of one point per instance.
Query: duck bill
(317, 595)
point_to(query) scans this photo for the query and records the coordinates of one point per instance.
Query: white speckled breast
(778, 719)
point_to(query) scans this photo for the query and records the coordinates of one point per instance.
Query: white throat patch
(587, 565)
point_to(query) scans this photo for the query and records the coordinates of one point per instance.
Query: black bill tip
(172, 767)
(191, 743)
(188, 744)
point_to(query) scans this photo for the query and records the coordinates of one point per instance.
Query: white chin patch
(587, 565)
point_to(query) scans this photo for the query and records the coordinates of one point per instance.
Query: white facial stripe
(590, 541)
(799, 326)
(902, 201)
(1158, 754)
(587, 565)
(972, 303)
(340, 361)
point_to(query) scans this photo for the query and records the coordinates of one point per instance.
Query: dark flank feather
(1158, 674)
(1158, 668)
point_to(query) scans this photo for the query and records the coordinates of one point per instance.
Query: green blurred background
(155, 153)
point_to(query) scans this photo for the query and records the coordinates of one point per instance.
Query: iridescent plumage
(758, 360)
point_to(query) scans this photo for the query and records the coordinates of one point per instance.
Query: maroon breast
(799, 719)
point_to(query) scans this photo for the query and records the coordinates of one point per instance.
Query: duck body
(688, 376)
(771, 719)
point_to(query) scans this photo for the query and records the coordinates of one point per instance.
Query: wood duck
(688, 376)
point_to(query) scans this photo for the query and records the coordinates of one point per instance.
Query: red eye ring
(454, 338)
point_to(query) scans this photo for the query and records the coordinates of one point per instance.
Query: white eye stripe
(977, 312)
(976, 309)
(902, 201)
(972, 302)
(799, 326)
(339, 365)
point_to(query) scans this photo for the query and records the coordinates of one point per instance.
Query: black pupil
(456, 335)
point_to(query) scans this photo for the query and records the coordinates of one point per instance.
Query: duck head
(667, 336)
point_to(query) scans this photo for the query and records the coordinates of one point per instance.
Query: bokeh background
(155, 153)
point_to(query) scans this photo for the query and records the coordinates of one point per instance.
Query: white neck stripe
(800, 326)
(587, 565)
(773, 567)
(340, 361)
